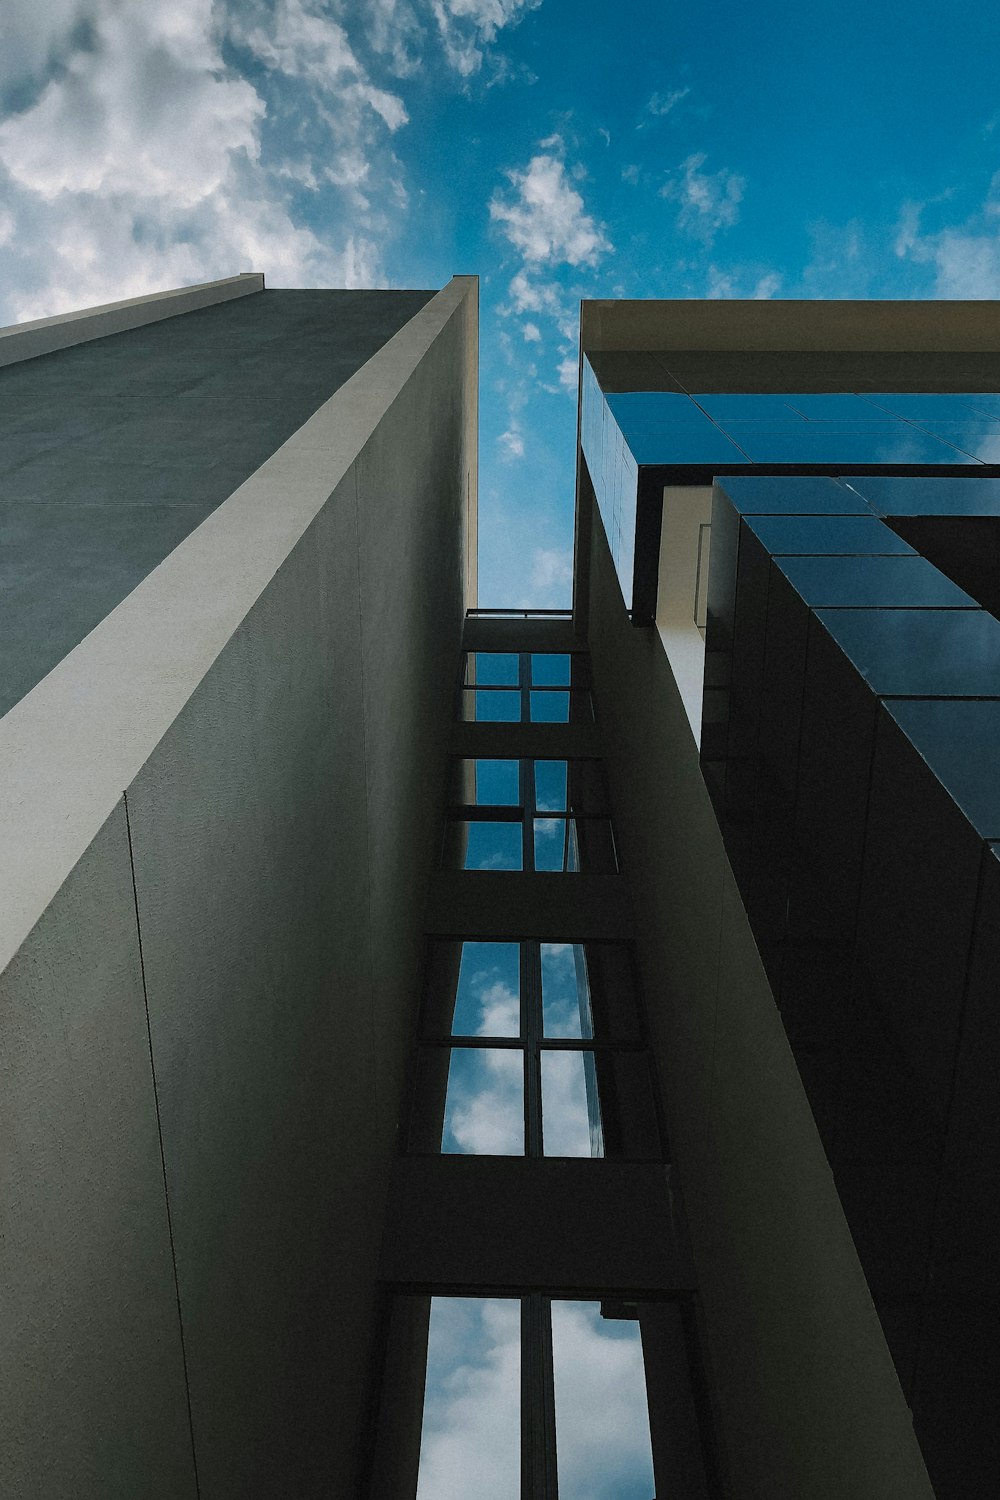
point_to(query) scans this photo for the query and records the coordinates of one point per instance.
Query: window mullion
(538, 1407)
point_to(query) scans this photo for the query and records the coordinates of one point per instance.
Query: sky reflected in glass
(565, 991)
(550, 669)
(493, 846)
(550, 785)
(497, 783)
(602, 1424)
(489, 984)
(493, 668)
(571, 1118)
(470, 1443)
(484, 1109)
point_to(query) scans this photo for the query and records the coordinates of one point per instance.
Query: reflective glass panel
(470, 1442)
(550, 785)
(492, 846)
(492, 668)
(571, 1116)
(487, 1002)
(602, 1421)
(565, 991)
(484, 1108)
(549, 706)
(554, 845)
(549, 669)
(491, 706)
(497, 783)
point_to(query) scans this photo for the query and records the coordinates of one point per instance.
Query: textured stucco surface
(92, 1399)
(114, 451)
(274, 700)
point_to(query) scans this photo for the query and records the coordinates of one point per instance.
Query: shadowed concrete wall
(114, 451)
(274, 699)
(808, 1399)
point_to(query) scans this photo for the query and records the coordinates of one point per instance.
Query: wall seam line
(163, 1162)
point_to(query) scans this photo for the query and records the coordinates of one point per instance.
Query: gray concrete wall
(808, 1400)
(274, 700)
(112, 452)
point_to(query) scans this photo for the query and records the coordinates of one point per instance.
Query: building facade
(444, 1048)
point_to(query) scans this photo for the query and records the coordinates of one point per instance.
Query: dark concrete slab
(113, 451)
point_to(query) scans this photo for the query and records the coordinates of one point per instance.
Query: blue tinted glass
(549, 669)
(866, 443)
(550, 785)
(898, 496)
(872, 583)
(647, 408)
(493, 846)
(551, 848)
(685, 446)
(493, 669)
(571, 1117)
(977, 438)
(498, 706)
(922, 407)
(487, 1002)
(985, 402)
(484, 1108)
(565, 991)
(497, 783)
(845, 534)
(549, 706)
(836, 406)
(797, 495)
(747, 407)
(916, 653)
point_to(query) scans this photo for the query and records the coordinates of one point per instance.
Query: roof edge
(23, 341)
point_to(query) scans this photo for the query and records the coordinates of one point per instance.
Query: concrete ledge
(46, 335)
(511, 1223)
(539, 741)
(72, 745)
(551, 907)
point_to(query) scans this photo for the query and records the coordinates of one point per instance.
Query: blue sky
(559, 148)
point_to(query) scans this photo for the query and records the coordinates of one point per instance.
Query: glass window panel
(491, 783)
(489, 986)
(492, 846)
(565, 991)
(549, 669)
(602, 1422)
(549, 706)
(552, 844)
(550, 785)
(492, 668)
(470, 1441)
(591, 846)
(491, 705)
(484, 1109)
(571, 1116)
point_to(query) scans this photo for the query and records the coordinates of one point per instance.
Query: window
(540, 687)
(533, 1048)
(532, 1396)
(542, 815)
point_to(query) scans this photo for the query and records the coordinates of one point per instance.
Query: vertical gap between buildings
(159, 1137)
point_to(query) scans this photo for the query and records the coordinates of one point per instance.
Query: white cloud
(485, 1104)
(546, 221)
(531, 333)
(709, 201)
(662, 104)
(467, 27)
(725, 284)
(511, 444)
(471, 1430)
(965, 258)
(550, 580)
(569, 373)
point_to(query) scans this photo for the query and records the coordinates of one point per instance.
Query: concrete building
(624, 975)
